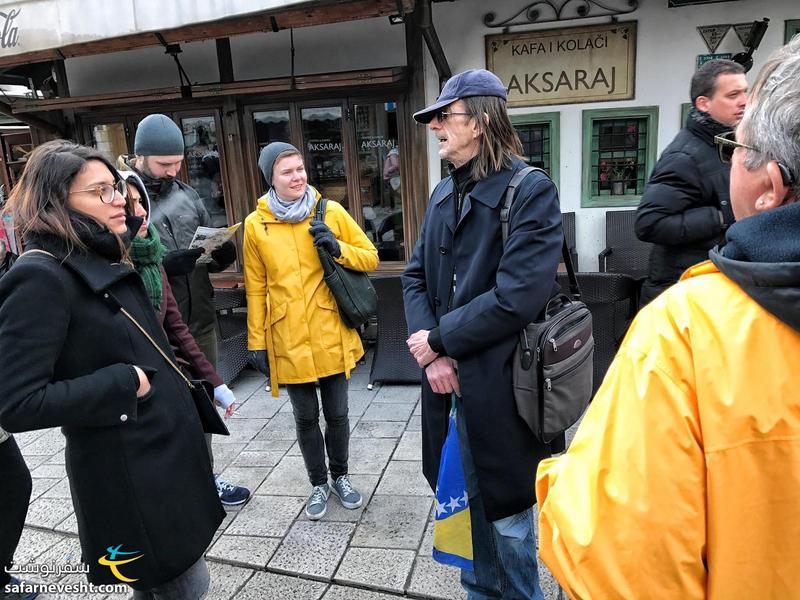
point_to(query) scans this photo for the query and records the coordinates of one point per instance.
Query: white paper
(210, 238)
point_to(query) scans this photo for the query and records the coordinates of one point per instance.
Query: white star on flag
(454, 503)
(465, 498)
(440, 509)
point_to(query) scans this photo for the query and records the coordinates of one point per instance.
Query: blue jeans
(305, 407)
(504, 552)
(192, 584)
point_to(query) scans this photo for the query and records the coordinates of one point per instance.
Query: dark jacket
(186, 348)
(497, 292)
(682, 203)
(7, 263)
(138, 468)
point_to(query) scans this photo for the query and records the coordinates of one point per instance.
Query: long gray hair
(771, 121)
(499, 142)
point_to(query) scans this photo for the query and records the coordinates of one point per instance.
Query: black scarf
(156, 187)
(703, 122)
(768, 237)
(99, 239)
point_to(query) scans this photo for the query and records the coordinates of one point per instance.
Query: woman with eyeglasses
(136, 459)
(683, 480)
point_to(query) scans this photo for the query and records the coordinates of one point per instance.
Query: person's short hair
(771, 120)
(704, 81)
(499, 142)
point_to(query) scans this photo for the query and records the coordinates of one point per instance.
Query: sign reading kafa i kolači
(596, 63)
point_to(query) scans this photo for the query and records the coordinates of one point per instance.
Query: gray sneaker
(350, 496)
(317, 504)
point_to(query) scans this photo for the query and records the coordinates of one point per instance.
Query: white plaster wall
(667, 46)
(366, 44)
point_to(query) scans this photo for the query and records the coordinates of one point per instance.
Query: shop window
(380, 183)
(539, 134)
(203, 165)
(270, 126)
(110, 140)
(619, 149)
(324, 152)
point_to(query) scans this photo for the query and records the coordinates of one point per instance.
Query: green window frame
(552, 145)
(685, 107)
(628, 165)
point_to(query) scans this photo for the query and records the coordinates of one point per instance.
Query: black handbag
(353, 291)
(201, 390)
(553, 360)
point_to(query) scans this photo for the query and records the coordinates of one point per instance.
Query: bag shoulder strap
(322, 204)
(505, 213)
(132, 320)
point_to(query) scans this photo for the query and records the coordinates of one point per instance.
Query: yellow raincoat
(683, 481)
(291, 312)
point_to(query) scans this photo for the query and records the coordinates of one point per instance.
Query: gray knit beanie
(270, 152)
(158, 135)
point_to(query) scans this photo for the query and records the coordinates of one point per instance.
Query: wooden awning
(308, 14)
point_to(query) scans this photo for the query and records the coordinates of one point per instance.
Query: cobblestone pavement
(268, 549)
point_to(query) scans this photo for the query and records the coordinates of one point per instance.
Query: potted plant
(616, 174)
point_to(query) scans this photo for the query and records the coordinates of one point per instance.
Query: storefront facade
(341, 79)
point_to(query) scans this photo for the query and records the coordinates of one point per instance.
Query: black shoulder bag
(553, 361)
(355, 297)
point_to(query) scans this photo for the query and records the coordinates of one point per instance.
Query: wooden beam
(257, 86)
(224, 60)
(324, 12)
(30, 120)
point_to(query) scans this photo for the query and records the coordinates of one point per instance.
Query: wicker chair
(231, 332)
(568, 223)
(624, 252)
(611, 297)
(392, 361)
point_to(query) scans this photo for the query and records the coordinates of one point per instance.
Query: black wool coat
(498, 291)
(138, 468)
(681, 205)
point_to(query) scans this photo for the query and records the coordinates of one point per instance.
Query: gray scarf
(294, 211)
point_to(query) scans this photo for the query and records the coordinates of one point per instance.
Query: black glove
(258, 360)
(324, 238)
(181, 262)
(223, 257)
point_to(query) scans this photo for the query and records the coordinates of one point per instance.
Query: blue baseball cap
(474, 82)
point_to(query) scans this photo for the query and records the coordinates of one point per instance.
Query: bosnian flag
(452, 528)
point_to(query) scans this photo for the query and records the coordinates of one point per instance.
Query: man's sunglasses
(442, 115)
(726, 144)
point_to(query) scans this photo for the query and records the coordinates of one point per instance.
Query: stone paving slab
(48, 512)
(370, 455)
(48, 471)
(414, 423)
(34, 542)
(313, 549)
(393, 522)
(405, 394)
(340, 592)
(226, 581)
(280, 427)
(269, 516)
(41, 485)
(410, 447)
(430, 579)
(376, 568)
(59, 490)
(378, 429)
(388, 412)
(258, 408)
(249, 477)
(271, 586)
(244, 550)
(288, 478)
(404, 478)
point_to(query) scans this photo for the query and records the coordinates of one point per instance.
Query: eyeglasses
(106, 192)
(726, 144)
(442, 115)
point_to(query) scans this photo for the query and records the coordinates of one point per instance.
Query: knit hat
(158, 135)
(270, 152)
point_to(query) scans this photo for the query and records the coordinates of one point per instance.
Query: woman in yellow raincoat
(294, 329)
(683, 481)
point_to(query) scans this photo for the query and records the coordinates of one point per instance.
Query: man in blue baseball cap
(467, 296)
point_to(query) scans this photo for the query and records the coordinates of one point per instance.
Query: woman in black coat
(136, 458)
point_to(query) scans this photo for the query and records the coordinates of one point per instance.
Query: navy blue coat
(497, 293)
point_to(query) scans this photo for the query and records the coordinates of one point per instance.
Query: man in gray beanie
(177, 211)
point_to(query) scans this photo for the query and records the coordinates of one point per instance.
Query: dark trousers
(15, 493)
(305, 406)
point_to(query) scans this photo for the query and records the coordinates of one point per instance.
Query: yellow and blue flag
(452, 528)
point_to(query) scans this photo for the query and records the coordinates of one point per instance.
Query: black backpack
(553, 361)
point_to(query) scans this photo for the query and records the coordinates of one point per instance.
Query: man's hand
(441, 374)
(181, 262)
(224, 256)
(418, 344)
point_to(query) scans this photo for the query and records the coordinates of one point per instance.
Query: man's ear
(777, 193)
(701, 103)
